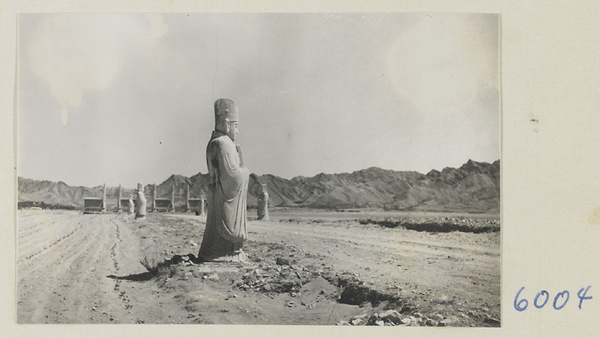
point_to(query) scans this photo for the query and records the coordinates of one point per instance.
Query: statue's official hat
(226, 108)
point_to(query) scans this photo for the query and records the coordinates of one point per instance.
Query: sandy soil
(75, 268)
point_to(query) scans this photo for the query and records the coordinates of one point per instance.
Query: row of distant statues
(94, 204)
(142, 205)
(263, 207)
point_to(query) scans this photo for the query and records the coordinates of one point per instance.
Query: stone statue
(263, 203)
(187, 197)
(104, 198)
(141, 205)
(131, 205)
(227, 191)
(202, 206)
(172, 206)
(153, 209)
(119, 200)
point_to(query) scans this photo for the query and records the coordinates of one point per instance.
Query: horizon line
(289, 179)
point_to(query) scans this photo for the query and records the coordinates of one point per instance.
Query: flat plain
(306, 267)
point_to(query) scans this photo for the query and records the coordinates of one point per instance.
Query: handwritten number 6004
(521, 304)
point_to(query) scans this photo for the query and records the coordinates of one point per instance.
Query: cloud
(75, 54)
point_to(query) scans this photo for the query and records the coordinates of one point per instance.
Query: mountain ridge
(473, 187)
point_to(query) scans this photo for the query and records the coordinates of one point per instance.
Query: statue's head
(140, 187)
(226, 118)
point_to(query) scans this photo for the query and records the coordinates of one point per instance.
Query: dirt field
(304, 269)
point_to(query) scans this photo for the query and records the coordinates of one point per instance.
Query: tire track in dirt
(123, 295)
(51, 245)
(73, 278)
(89, 276)
(85, 286)
(42, 231)
(42, 283)
(100, 303)
(32, 222)
(30, 251)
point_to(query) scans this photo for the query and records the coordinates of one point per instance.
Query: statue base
(237, 256)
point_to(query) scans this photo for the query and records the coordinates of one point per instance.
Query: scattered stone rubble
(394, 318)
(279, 278)
(276, 274)
(438, 224)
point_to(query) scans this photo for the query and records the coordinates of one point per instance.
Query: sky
(128, 98)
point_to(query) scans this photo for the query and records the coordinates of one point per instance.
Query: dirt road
(75, 268)
(65, 261)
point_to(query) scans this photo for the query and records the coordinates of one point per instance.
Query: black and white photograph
(334, 169)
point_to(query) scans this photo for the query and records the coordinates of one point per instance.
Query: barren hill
(474, 187)
(63, 195)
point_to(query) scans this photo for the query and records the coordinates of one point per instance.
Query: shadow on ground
(138, 277)
(158, 268)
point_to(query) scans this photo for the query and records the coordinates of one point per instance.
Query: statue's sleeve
(211, 156)
(231, 174)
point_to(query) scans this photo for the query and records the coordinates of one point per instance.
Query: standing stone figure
(131, 205)
(202, 206)
(141, 205)
(228, 187)
(187, 197)
(153, 198)
(263, 203)
(104, 198)
(172, 208)
(200, 210)
(119, 200)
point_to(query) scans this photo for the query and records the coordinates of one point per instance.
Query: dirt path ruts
(65, 281)
(75, 268)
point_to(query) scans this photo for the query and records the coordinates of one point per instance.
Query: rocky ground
(350, 270)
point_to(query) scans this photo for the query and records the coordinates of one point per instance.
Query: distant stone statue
(202, 206)
(141, 205)
(153, 209)
(119, 200)
(187, 198)
(131, 205)
(228, 187)
(263, 203)
(104, 198)
(172, 206)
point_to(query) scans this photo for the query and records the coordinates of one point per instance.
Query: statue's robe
(228, 188)
(131, 206)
